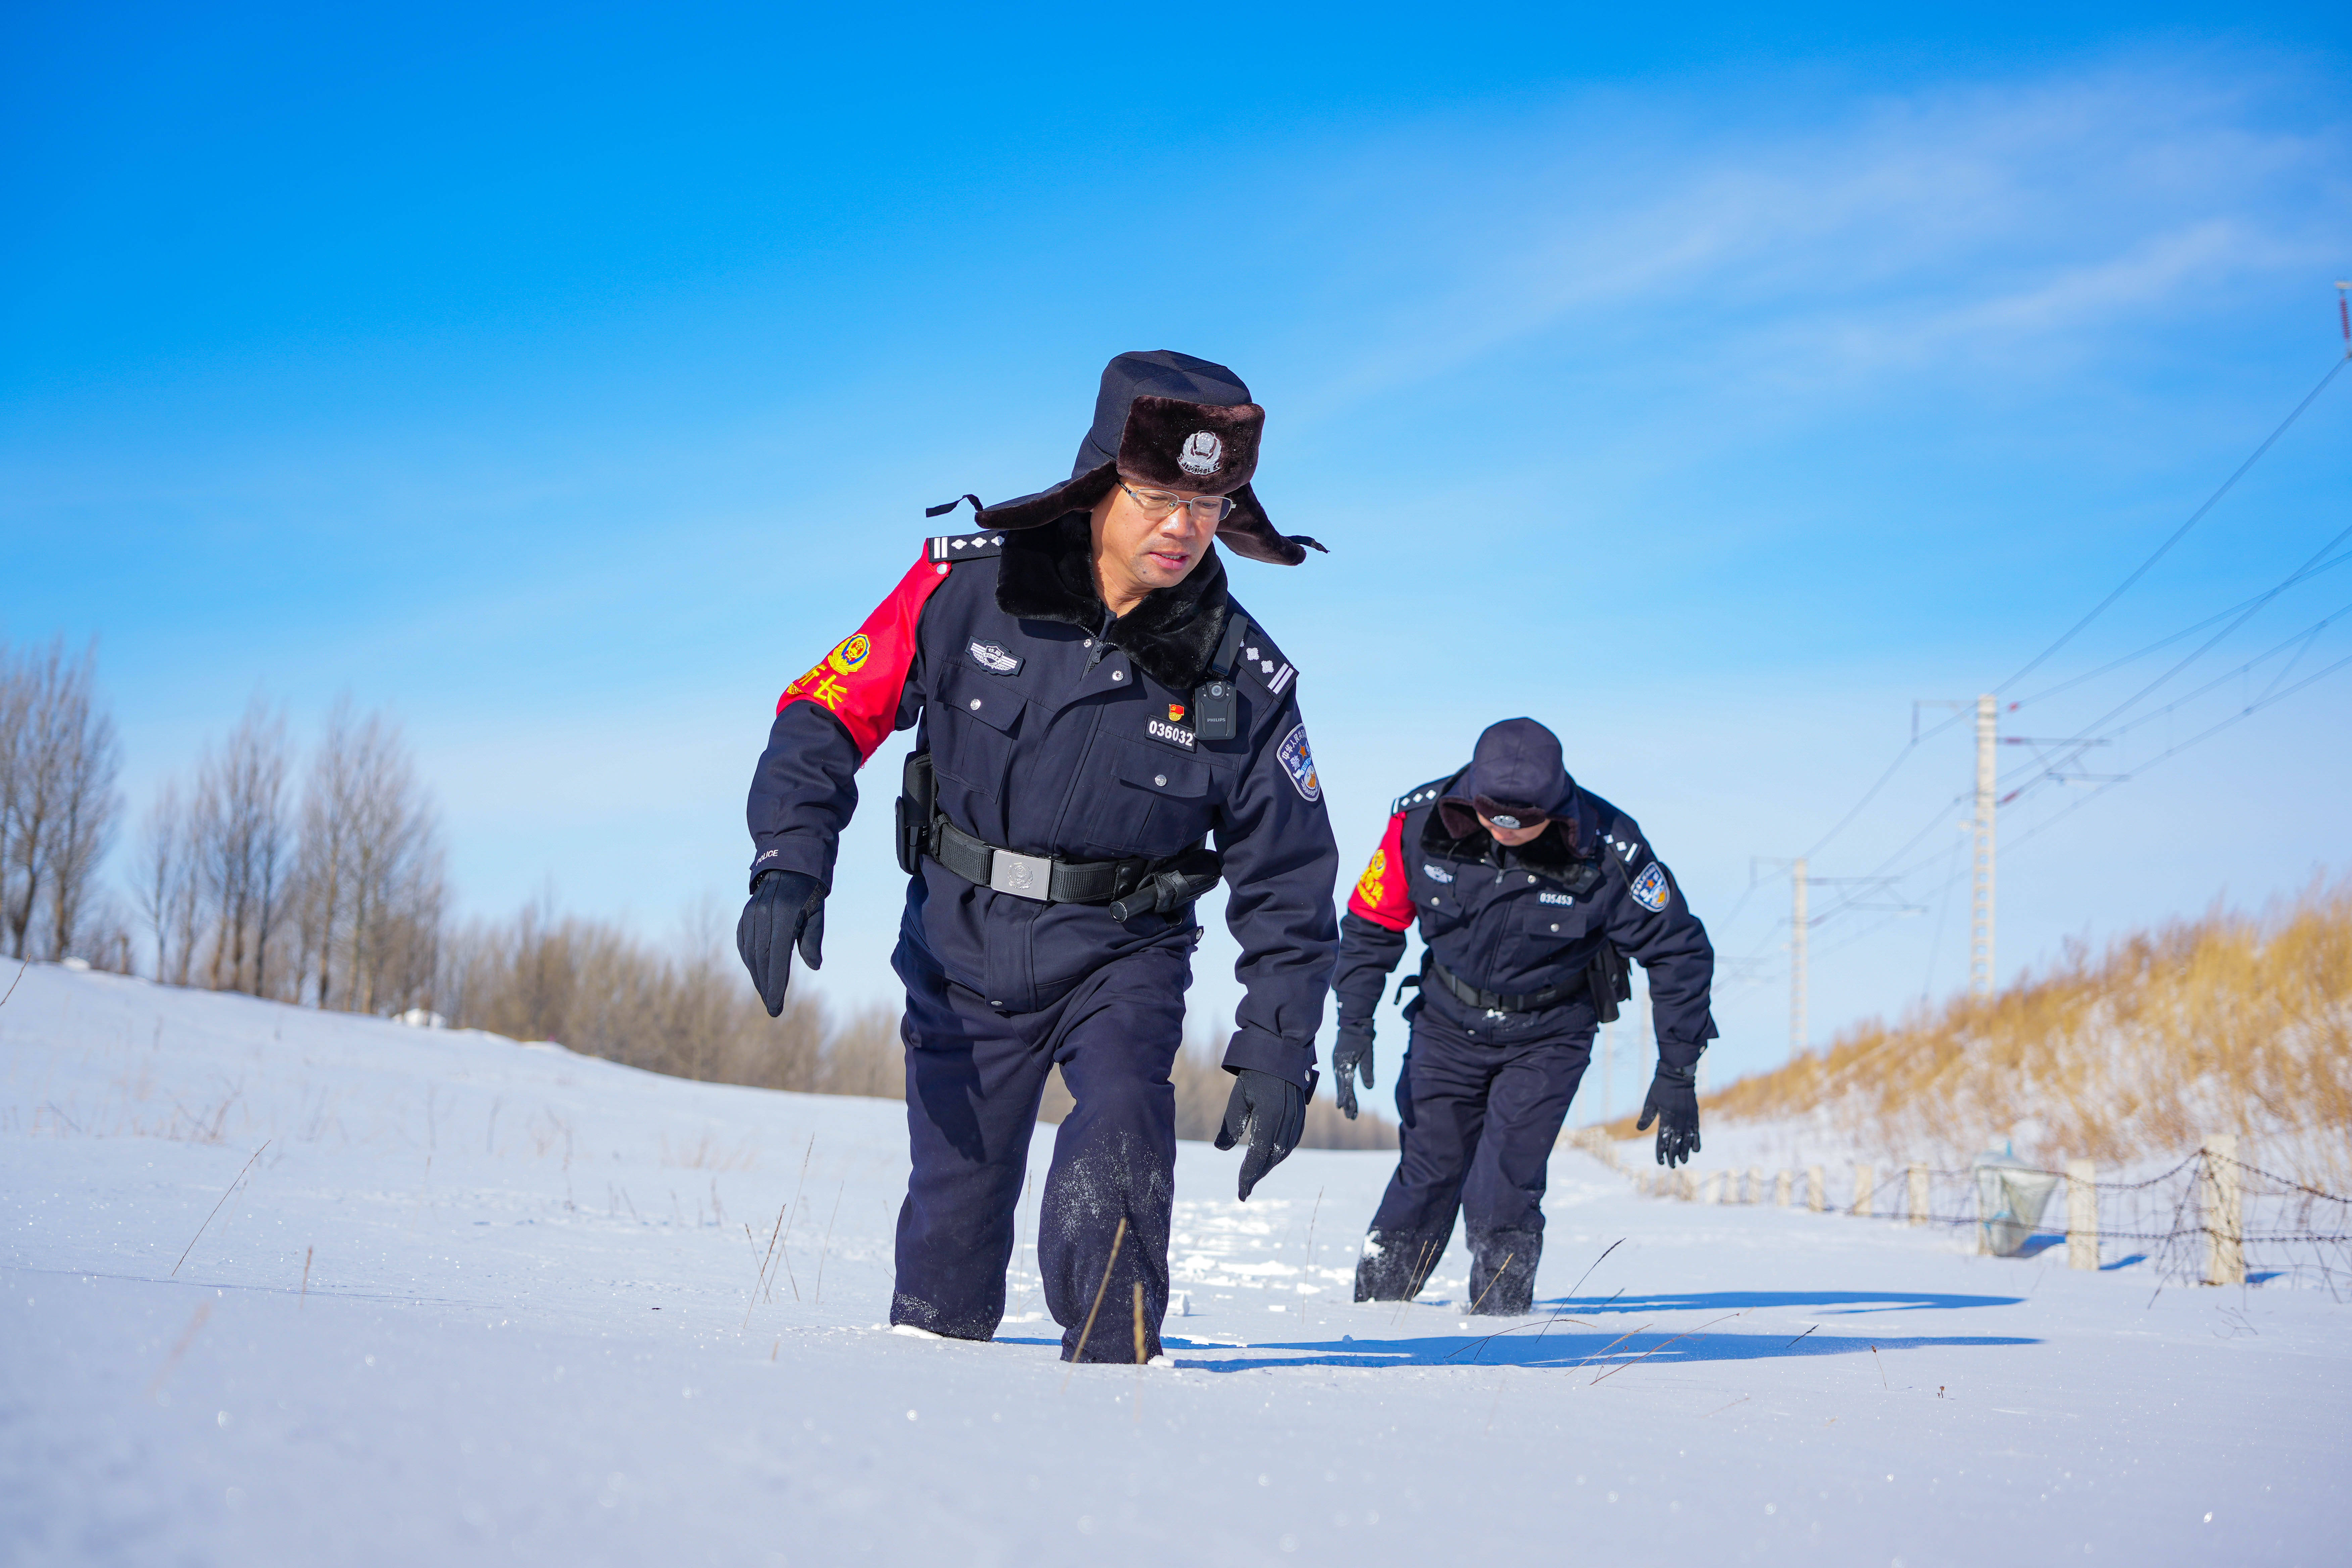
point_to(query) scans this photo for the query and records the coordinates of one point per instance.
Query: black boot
(1503, 1272)
(1395, 1264)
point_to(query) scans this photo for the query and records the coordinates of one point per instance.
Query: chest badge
(1174, 734)
(992, 658)
(1436, 873)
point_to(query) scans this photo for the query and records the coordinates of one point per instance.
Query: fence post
(1755, 1184)
(1780, 1189)
(1918, 1195)
(1689, 1193)
(1862, 1183)
(1816, 1189)
(2225, 1233)
(2081, 1215)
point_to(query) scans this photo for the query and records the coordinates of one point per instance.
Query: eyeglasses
(1157, 504)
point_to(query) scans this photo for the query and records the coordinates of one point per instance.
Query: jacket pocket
(973, 721)
(1140, 800)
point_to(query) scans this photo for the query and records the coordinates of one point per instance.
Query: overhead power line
(2178, 533)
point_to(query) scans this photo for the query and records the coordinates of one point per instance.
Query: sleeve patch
(1380, 896)
(1650, 888)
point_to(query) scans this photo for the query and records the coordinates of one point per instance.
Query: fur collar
(1047, 574)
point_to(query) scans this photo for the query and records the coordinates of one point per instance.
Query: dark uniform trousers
(1478, 1119)
(974, 1079)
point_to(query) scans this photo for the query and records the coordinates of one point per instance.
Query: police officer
(1102, 732)
(1529, 891)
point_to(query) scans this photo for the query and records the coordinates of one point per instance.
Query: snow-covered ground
(476, 1300)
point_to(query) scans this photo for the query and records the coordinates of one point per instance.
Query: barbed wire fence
(2210, 1219)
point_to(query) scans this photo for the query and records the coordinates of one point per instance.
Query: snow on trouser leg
(1503, 1271)
(974, 1077)
(1115, 1157)
(1396, 1264)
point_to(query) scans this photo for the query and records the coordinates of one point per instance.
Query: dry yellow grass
(2231, 1023)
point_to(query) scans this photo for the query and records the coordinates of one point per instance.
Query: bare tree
(168, 888)
(371, 899)
(58, 801)
(241, 837)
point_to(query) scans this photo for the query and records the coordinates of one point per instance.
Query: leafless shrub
(2227, 1023)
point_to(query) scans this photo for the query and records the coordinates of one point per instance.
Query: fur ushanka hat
(1168, 420)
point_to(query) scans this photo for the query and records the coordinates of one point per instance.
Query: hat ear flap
(1034, 512)
(1246, 531)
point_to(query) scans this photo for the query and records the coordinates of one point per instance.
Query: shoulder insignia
(954, 547)
(1262, 660)
(1420, 794)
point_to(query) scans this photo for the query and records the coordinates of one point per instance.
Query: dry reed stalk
(762, 1278)
(1112, 1262)
(1675, 1340)
(1312, 1216)
(1882, 1370)
(216, 1207)
(20, 975)
(302, 1301)
(827, 1247)
(1415, 1280)
(1604, 1350)
(203, 1310)
(786, 1252)
(1490, 1284)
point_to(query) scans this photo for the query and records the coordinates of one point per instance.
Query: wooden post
(2225, 1232)
(1755, 1184)
(1689, 1193)
(1816, 1189)
(1864, 1179)
(1780, 1189)
(2081, 1215)
(1918, 1195)
(1711, 1190)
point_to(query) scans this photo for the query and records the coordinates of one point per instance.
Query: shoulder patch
(1263, 662)
(1299, 764)
(1650, 889)
(954, 547)
(1420, 794)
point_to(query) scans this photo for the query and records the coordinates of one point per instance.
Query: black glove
(786, 907)
(1268, 1113)
(1674, 1106)
(1351, 1053)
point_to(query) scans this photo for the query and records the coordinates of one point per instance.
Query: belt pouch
(918, 803)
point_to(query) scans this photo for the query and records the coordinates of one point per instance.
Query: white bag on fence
(2011, 1197)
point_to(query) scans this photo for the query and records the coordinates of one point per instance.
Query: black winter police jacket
(1520, 921)
(1055, 730)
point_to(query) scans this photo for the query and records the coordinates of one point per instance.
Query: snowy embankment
(478, 1300)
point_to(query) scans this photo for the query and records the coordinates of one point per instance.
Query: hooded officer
(1102, 733)
(1528, 891)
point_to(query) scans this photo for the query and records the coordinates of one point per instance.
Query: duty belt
(1038, 877)
(1502, 1002)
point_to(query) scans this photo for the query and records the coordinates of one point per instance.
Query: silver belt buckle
(1023, 876)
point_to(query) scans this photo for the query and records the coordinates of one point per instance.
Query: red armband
(861, 681)
(1380, 896)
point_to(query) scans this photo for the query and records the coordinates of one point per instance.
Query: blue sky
(566, 379)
